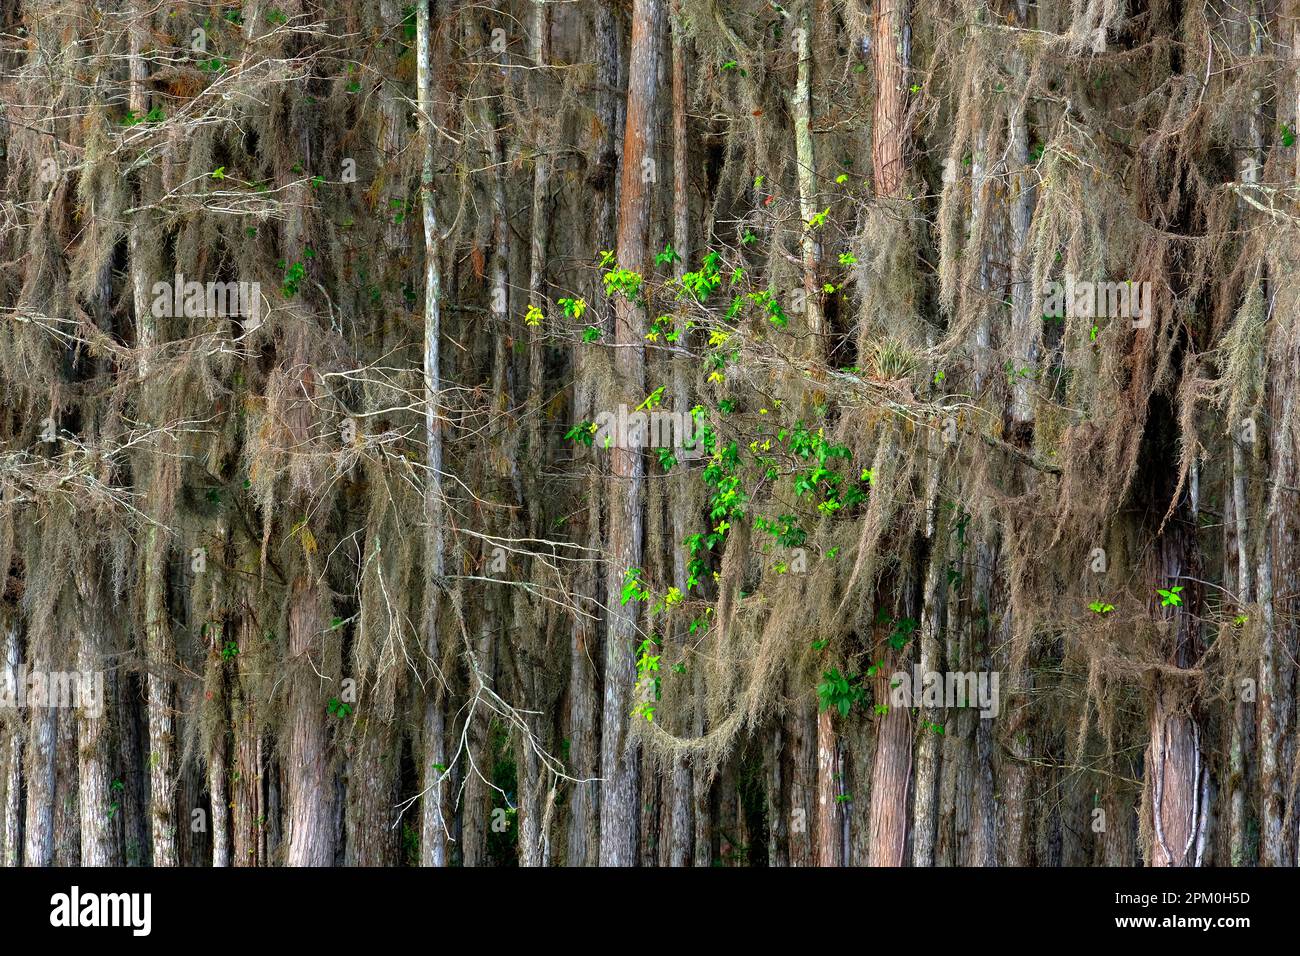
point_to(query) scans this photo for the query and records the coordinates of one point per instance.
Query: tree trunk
(801, 109)
(98, 846)
(42, 743)
(619, 760)
(893, 759)
(433, 830)
(12, 767)
(1177, 781)
(802, 730)
(829, 849)
(311, 780)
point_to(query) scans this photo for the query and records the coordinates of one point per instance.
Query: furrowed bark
(893, 758)
(160, 648)
(802, 729)
(38, 830)
(1279, 572)
(682, 783)
(618, 803)
(829, 842)
(1177, 778)
(312, 807)
(12, 768)
(98, 846)
(928, 750)
(539, 40)
(67, 805)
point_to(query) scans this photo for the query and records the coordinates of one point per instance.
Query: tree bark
(618, 817)
(98, 846)
(311, 781)
(893, 759)
(12, 833)
(433, 830)
(801, 109)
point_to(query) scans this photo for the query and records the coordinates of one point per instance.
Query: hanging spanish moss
(658, 433)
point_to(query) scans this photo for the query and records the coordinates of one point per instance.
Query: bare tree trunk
(139, 230)
(802, 731)
(42, 740)
(702, 795)
(584, 811)
(477, 802)
(1025, 321)
(218, 774)
(372, 840)
(893, 759)
(132, 727)
(889, 779)
(801, 109)
(160, 650)
(682, 777)
(67, 811)
(778, 849)
(1237, 580)
(1277, 573)
(539, 30)
(98, 848)
(605, 180)
(618, 828)
(12, 833)
(532, 786)
(311, 780)
(927, 756)
(1177, 781)
(1015, 777)
(162, 746)
(585, 646)
(433, 830)
(829, 849)
(587, 732)
(1279, 568)
(249, 809)
(950, 838)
